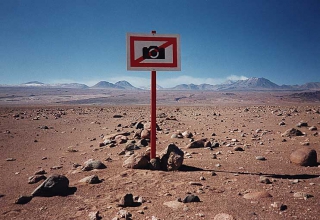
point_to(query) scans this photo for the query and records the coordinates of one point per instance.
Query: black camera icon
(153, 52)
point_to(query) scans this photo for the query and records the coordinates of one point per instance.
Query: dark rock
(126, 201)
(155, 164)
(139, 125)
(131, 147)
(215, 144)
(304, 156)
(117, 116)
(207, 144)
(187, 134)
(292, 132)
(237, 148)
(23, 200)
(142, 143)
(93, 164)
(197, 144)
(171, 158)
(302, 124)
(53, 186)
(313, 128)
(191, 198)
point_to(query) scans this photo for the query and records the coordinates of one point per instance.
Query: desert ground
(245, 174)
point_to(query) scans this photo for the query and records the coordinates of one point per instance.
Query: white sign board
(153, 52)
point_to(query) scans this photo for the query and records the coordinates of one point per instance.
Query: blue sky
(84, 41)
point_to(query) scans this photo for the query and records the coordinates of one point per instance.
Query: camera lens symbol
(154, 53)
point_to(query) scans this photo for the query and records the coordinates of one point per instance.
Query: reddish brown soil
(81, 127)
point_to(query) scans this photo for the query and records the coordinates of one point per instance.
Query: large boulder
(137, 161)
(171, 158)
(304, 156)
(53, 186)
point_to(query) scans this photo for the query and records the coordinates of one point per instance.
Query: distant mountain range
(254, 83)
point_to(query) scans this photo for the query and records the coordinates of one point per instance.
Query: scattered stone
(92, 164)
(215, 145)
(202, 178)
(23, 200)
(173, 204)
(139, 125)
(142, 143)
(137, 161)
(302, 195)
(187, 134)
(56, 167)
(292, 132)
(171, 158)
(94, 216)
(117, 116)
(94, 179)
(265, 180)
(195, 184)
(176, 135)
(238, 148)
(52, 186)
(36, 178)
(313, 128)
(257, 195)
(191, 198)
(126, 201)
(279, 206)
(302, 124)
(124, 214)
(120, 139)
(197, 144)
(304, 156)
(10, 159)
(260, 158)
(40, 172)
(223, 216)
(145, 134)
(131, 147)
(282, 123)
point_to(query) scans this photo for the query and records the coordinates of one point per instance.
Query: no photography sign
(153, 52)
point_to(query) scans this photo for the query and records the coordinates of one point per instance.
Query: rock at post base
(171, 158)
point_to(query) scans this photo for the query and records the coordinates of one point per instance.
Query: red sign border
(135, 64)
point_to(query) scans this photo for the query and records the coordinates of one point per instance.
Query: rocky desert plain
(83, 154)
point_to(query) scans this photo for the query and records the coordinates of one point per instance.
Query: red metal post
(153, 113)
(153, 137)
